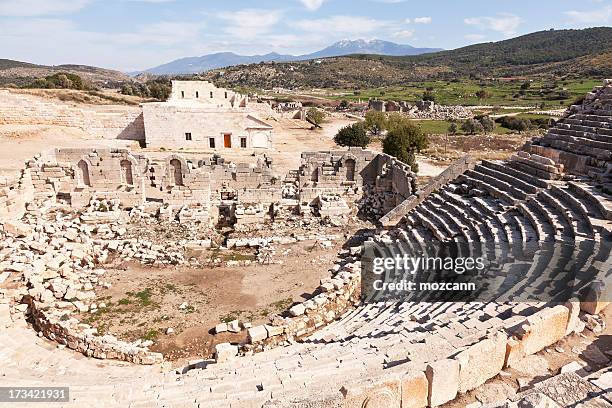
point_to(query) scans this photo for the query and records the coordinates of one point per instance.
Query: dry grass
(92, 97)
(496, 147)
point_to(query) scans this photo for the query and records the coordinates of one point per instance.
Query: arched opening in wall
(314, 176)
(126, 173)
(177, 173)
(83, 174)
(350, 169)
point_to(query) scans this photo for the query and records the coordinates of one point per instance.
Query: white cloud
(36, 40)
(248, 23)
(403, 34)
(312, 4)
(37, 8)
(343, 25)
(601, 16)
(422, 20)
(505, 23)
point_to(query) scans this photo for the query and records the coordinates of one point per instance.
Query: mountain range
(192, 65)
(585, 53)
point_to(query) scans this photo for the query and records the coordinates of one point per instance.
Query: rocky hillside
(22, 73)
(554, 52)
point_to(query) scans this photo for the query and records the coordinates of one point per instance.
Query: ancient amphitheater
(332, 350)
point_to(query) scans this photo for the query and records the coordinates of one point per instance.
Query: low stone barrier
(450, 173)
(86, 341)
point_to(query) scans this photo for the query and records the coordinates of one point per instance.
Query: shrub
(514, 123)
(375, 122)
(472, 126)
(315, 116)
(487, 123)
(352, 135)
(429, 96)
(403, 141)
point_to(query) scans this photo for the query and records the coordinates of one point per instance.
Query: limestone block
(574, 310)
(415, 390)
(274, 330)
(376, 393)
(514, 352)
(233, 326)
(297, 310)
(257, 333)
(544, 328)
(221, 328)
(481, 361)
(225, 352)
(443, 378)
(17, 228)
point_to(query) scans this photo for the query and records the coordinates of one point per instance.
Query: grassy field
(552, 95)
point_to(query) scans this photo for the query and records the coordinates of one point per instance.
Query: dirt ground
(143, 302)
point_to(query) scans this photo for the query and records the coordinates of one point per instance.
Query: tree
(482, 94)
(429, 96)
(343, 105)
(396, 119)
(526, 85)
(472, 126)
(315, 116)
(403, 142)
(352, 135)
(375, 122)
(487, 123)
(453, 128)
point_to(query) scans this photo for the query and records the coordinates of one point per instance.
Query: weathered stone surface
(377, 393)
(481, 361)
(544, 328)
(225, 352)
(257, 333)
(415, 390)
(443, 378)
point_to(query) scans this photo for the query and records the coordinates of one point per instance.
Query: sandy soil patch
(143, 302)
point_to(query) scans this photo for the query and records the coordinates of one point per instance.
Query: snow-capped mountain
(191, 65)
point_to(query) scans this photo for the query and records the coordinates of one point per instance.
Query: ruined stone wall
(409, 202)
(15, 193)
(99, 121)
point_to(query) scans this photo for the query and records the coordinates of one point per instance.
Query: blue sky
(138, 34)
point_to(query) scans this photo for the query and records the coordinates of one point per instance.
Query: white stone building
(200, 115)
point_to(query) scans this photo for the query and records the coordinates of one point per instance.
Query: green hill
(561, 53)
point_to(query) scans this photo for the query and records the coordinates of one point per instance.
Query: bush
(403, 141)
(453, 128)
(158, 88)
(487, 123)
(514, 123)
(352, 135)
(61, 80)
(472, 126)
(483, 94)
(375, 122)
(429, 96)
(315, 116)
